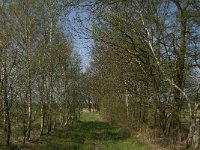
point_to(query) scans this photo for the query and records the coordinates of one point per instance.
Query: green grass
(91, 133)
(88, 116)
(127, 144)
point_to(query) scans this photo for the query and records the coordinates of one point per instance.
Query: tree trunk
(180, 67)
(42, 118)
(7, 123)
(127, 104)
(29, 86)
(29, 111)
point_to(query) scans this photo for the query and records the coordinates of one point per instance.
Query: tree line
(144, 71)
(145, 67)
(40, 71)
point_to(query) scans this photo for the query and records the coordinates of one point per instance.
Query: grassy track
(91, 133)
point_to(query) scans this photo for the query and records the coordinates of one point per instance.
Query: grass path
(91, 133)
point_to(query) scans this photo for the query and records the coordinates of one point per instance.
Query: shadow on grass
(84, 136)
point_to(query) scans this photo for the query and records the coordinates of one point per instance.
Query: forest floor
(90, 133)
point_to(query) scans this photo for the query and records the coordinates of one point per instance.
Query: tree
(36, 64)
(139, 49)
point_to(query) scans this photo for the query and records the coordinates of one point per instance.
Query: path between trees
(91, 133)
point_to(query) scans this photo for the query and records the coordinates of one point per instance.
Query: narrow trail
(91, 133)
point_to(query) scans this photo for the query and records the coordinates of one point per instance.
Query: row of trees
(146, 62)
(40, 72)
(145, 68)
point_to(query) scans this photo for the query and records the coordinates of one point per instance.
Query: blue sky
(81, 42)
(83, 47)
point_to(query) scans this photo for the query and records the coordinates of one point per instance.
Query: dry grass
(156, 140)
